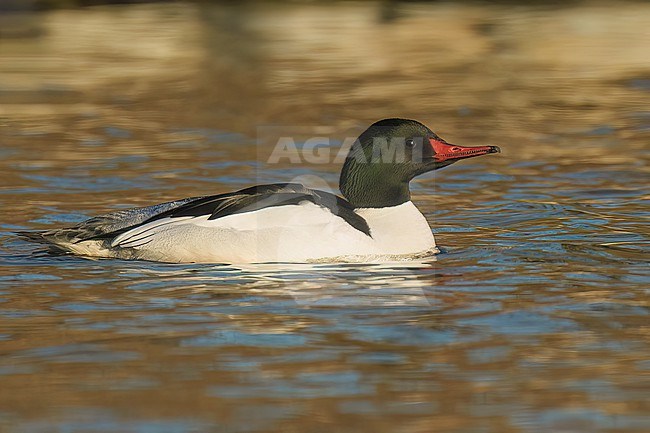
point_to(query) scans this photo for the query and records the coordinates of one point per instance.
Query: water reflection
(533, 318)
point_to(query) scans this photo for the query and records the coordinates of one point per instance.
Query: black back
(256, 198)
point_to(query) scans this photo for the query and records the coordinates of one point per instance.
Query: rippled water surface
(533, 319)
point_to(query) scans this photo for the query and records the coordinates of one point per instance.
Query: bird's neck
(367, 185)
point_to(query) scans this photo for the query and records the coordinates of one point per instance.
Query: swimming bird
(375, 220)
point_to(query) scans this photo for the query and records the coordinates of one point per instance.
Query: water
(533, 319)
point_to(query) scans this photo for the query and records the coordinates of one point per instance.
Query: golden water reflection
(533, 319)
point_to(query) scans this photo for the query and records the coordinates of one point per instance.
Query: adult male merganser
(375, 219)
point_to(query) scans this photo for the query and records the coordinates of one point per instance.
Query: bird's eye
(410, 142)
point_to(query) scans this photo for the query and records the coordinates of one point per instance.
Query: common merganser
(375, 219)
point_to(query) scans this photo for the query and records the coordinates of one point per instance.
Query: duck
(373, 220)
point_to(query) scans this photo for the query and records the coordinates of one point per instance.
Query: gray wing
(100, 226)
(106, 227)
(265, 196)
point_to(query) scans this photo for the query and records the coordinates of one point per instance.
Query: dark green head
(390, 153)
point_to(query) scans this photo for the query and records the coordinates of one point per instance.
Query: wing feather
(112, 226)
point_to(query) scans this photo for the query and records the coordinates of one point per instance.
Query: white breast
(399, 229)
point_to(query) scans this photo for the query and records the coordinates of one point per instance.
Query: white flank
(292, 233)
